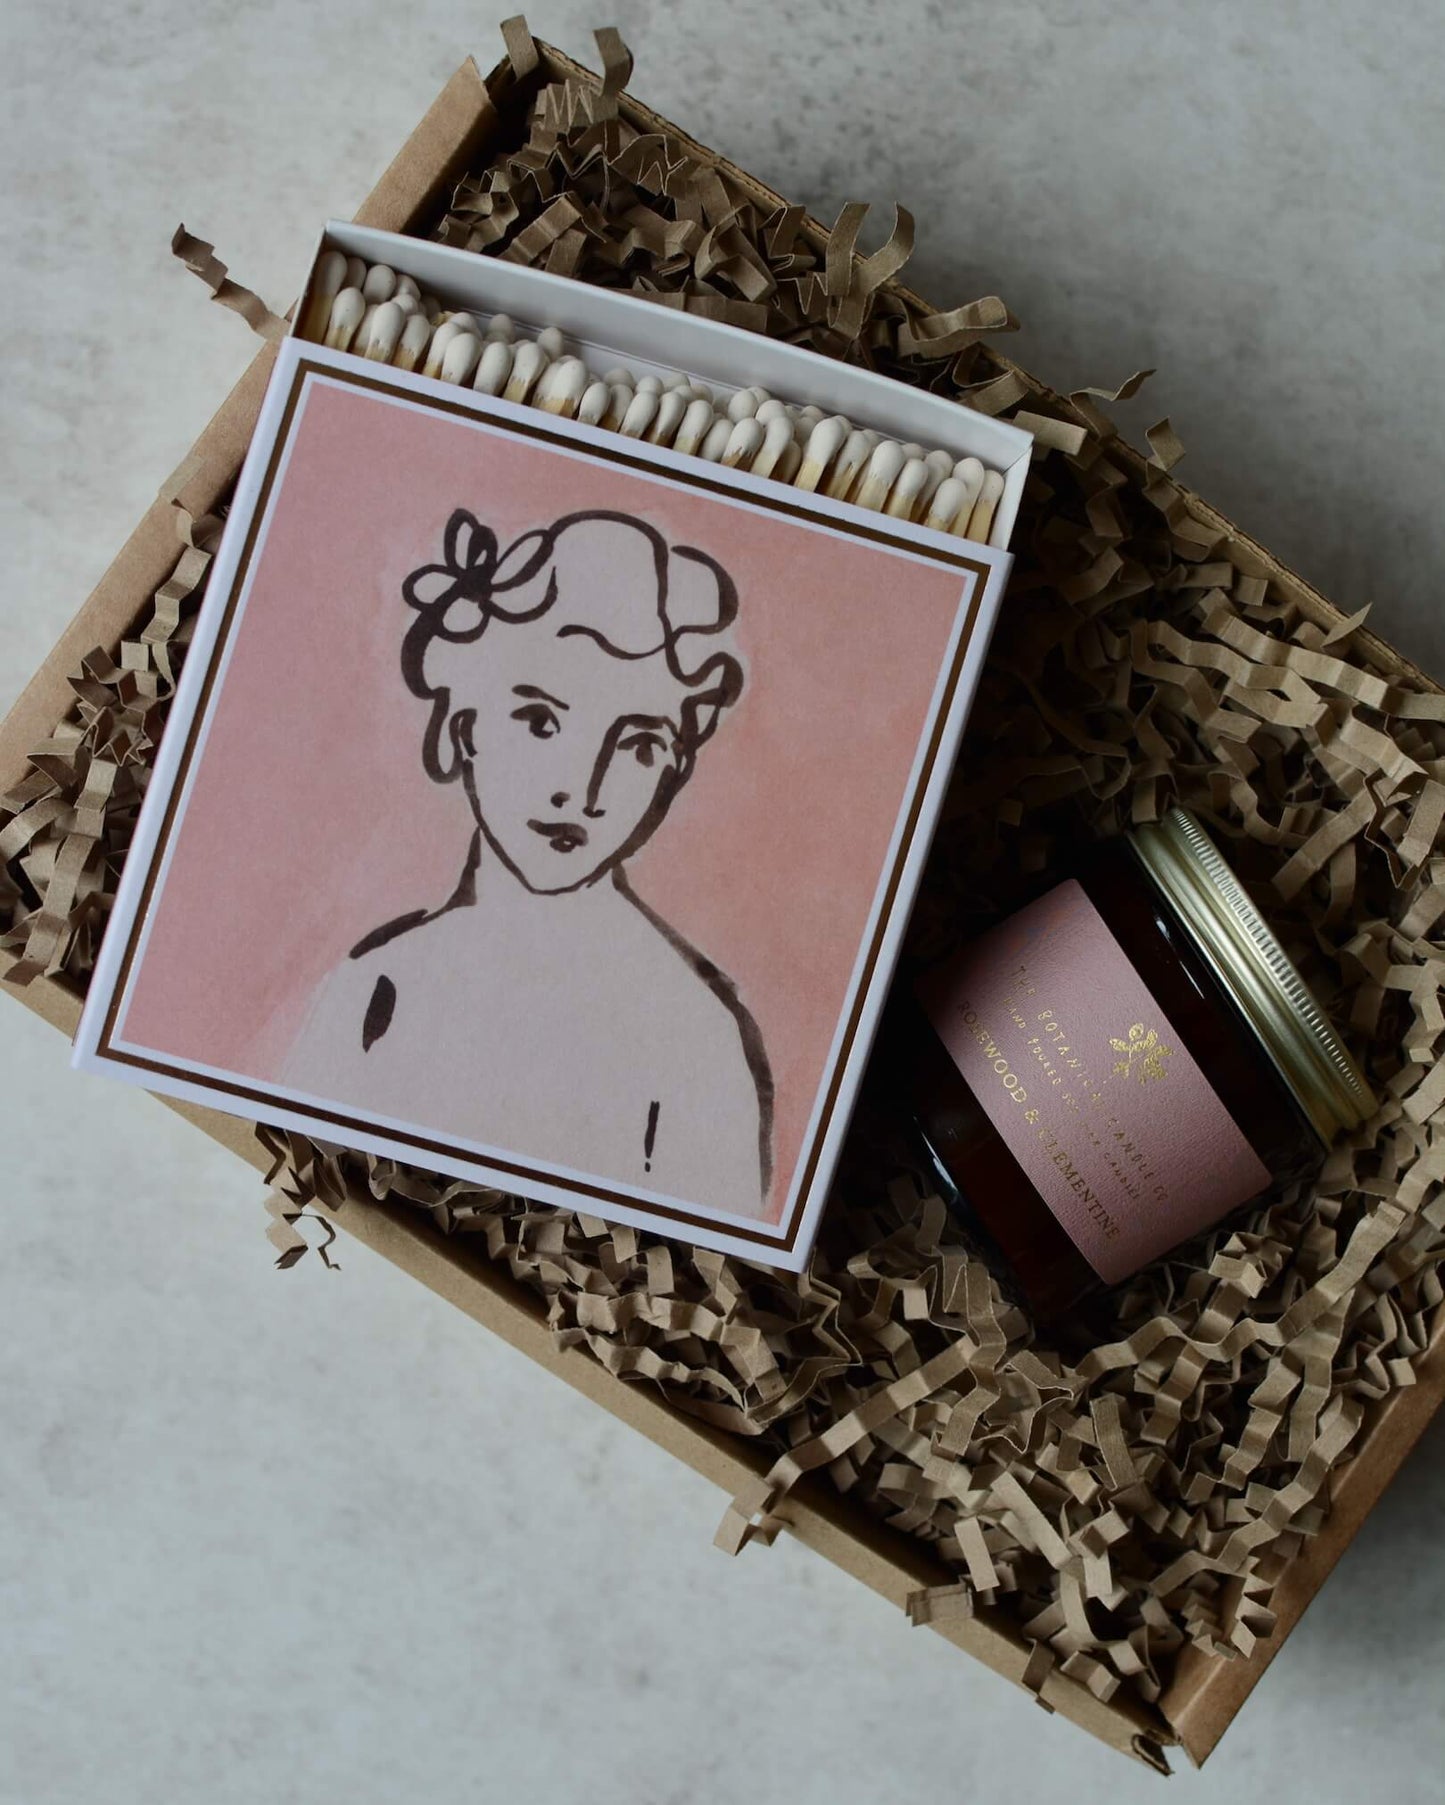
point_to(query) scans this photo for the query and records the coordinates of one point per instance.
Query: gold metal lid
(1274, 999)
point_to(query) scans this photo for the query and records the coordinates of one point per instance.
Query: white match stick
(825, 441)
(980, 522)
(380, 283)
(790, 461)
(716, 439)
(550, 340)
(777, 435)
(771, 410)
(436, 351)
(494, 367)
(500, 326)
(432, 308)
(408, 285)
(970, 473)
(561, 387)
(415, 337)
(359, 337)
(528, 363)
(355, 273)
(942, 462)
(641, 411)
(903, 497)
(679, 379)
(671, 406)
(326, 284)
(745, 404)
(696, 422)
(596, 399)
(805, 419)
(617, 375)
(408, 303)
(879, 475)
(857, 448)
(744, 443)
(460, 362)
(385, 333)
(347, 311)
(621, 393)
(948, 498)
(912, 450)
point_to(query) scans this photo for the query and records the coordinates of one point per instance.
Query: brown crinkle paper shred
(1150, 1481)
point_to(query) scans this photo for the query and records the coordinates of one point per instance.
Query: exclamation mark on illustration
(650, 1136)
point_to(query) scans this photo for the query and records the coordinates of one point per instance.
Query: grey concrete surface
(314, 1536)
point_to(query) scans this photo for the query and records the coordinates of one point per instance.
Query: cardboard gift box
(1202, 1693)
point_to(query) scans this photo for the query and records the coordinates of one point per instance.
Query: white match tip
(640, 412)
(385, 333)
(695, 424)
(441, 338)
(347, 312)
(330, 273)
(596, 399)
(494, 366)
(744, 442)
(715, 440)
(461, 357)
(907, 489)
(415, 337)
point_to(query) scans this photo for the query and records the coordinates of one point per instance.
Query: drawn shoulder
(714, 1023)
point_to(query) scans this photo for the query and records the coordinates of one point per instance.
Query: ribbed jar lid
(1274, 999)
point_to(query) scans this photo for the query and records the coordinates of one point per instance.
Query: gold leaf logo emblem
(1143, 1052)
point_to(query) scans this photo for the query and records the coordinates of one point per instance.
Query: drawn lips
(561, 836)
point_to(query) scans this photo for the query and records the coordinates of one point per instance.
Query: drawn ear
(468, 543)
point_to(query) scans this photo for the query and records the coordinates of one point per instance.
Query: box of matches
(612, 833)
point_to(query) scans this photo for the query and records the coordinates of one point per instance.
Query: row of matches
(372, 312)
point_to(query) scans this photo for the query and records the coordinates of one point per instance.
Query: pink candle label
(1089, 1085)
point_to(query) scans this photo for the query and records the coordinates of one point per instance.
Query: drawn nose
(561, 799)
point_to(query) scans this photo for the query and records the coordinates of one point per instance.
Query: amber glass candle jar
(1118, 1066)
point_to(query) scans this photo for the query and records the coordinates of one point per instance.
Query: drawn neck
(500, 897)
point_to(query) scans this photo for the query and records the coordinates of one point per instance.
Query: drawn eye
(646, 748)
(540, 720)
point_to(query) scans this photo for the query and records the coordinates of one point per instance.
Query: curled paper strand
(200, 259)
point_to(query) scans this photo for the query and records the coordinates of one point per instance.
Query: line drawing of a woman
(544, 1008)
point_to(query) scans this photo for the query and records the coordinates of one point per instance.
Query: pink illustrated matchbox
(541, 806)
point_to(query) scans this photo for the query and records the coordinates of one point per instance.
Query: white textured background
(316, 1537)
